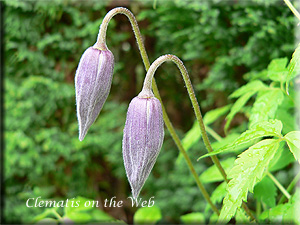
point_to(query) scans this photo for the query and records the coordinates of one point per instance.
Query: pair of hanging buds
(144, 128)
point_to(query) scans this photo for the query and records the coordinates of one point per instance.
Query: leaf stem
(258, 208)
(56, 214)
(101, 41)
(290, 187)
(214, 134)
(292, 8)
(278, 184)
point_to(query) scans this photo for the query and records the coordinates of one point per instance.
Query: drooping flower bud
(142, 139)
(92, 83)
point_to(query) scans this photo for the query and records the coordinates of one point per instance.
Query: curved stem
(101, 41)
(292, 8)
(189, 86)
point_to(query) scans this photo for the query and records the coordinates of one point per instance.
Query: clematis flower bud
(92, 83)
(142, 139)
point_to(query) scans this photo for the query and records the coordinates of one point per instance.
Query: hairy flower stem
(101, 41)
(190, 89)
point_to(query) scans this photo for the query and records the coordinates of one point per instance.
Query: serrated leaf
(237, 106)
(265, 106)
(277, 70)
(266, 192)
(212, 174)
(264, 129)
(194, 217)
(250, 87)
(241, 217)
(293, 67)
(225, 141)
(293, 141)
(148, 215)
(247, 171)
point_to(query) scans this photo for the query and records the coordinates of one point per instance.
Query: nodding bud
(142, 139)
(92, 83)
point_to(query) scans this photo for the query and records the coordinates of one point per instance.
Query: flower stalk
(101, 41)
(147, 87)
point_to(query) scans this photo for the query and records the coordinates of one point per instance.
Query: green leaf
(250, 87)
(248, 169)
(277, 70)
(293, 67)
(195, 217)
(237, 106)
(191, 137)
(265, 106)
(282, 158)
(86, 211)
(194, 134)
(293, 141)
(287, 213)
(42, 216)
(226, 141)
(275, 215)
(214, 114)
(266, 192)
(217, 195)
(148, 215)
(212, 174)
(241, 217)
(264, 129)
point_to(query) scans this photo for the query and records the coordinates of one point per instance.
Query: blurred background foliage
(44, 40)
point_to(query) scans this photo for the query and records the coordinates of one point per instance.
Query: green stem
(56, 214)
(258, 208)
(278, 184)
(214, 134)
(178, 62)
(147, 89)
(101, 41)
(292, 8)
(290, 187)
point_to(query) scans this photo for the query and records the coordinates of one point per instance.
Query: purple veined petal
(92, 83)
(142, 140)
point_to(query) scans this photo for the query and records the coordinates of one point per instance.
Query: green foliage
(259, 130)
(193, 218)
(249, 168)
(284, 213)
(293, 67)
(265, 191)
(194, 134)
(218, 43)
(293, 141)
(148, 215)
(85, 212)
(212, 174)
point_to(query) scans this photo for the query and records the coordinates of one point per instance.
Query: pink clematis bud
(142, 139)
(92, 83)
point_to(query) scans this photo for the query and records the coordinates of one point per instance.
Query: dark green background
(44, 41)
